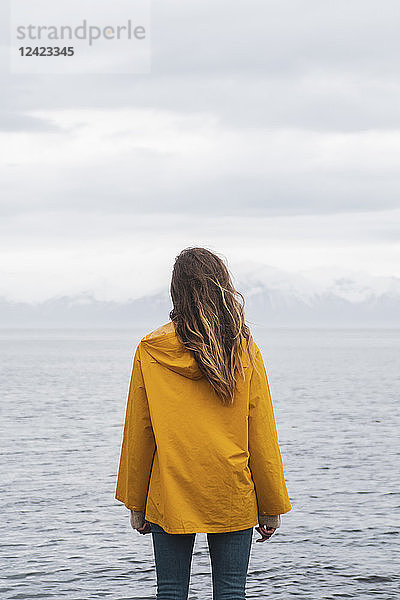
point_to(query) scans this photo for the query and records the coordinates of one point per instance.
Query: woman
(200, 451)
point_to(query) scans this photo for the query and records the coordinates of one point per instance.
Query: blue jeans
(229, 553)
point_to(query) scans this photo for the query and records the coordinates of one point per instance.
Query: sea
(63, 534)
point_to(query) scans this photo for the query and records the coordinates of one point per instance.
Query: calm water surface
(63, 535)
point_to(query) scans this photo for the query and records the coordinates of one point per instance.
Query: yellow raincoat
(191, 463)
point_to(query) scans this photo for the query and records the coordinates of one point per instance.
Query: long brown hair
(209, 319)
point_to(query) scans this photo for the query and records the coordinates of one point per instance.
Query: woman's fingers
(145, 528)
(265, 532)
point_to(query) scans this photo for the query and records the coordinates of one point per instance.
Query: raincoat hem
(134, 507)
(204, 528)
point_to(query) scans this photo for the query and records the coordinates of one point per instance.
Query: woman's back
(189, 461)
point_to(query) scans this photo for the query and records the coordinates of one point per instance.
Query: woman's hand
(265, 532)
(145, 528)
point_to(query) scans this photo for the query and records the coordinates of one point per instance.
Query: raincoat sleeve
(265, 459)
(138, 444)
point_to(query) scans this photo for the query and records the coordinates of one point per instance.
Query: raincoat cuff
(137, 518)
(270, 520)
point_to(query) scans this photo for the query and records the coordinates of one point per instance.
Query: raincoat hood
(165, 348)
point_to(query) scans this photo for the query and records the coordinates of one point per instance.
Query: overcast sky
(267, 131)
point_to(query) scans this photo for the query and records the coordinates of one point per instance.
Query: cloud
(322, 65)
(269, 130)
(16, 122)
(143, 160)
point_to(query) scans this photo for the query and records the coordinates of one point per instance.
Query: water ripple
(64, 535)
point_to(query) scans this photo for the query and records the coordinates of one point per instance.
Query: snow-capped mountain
(321, 297)
(273, 297)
